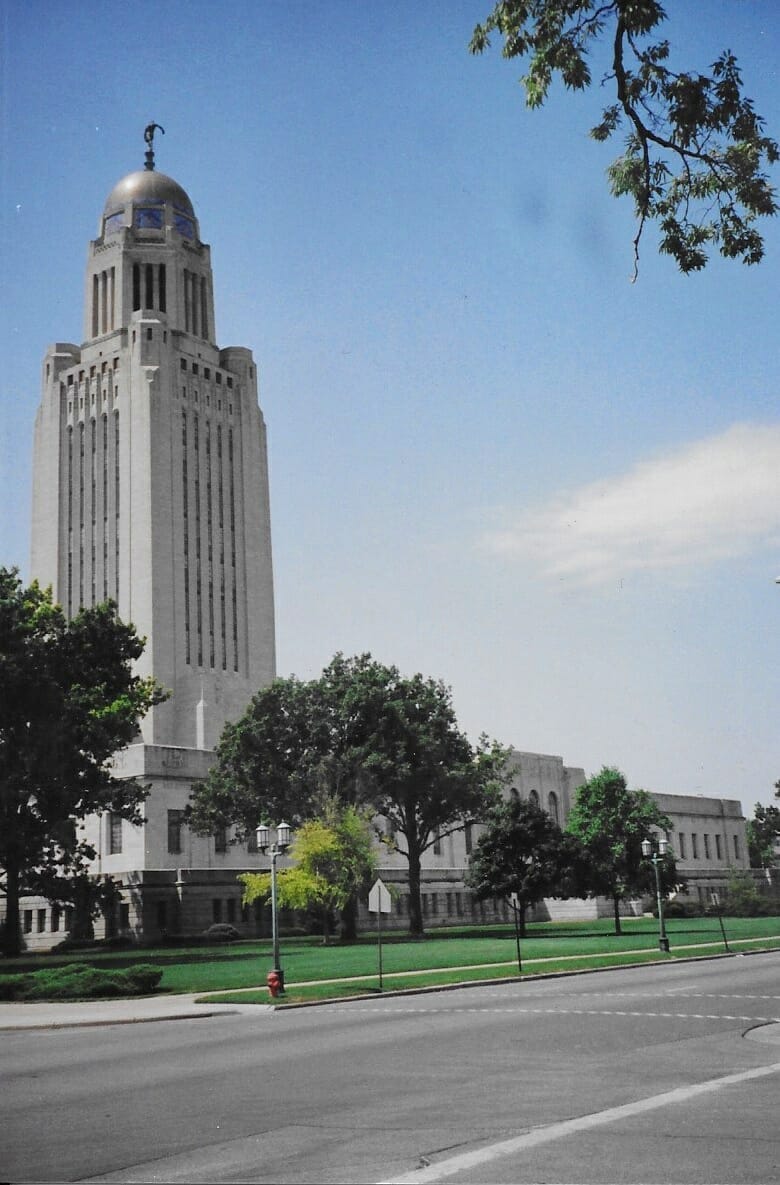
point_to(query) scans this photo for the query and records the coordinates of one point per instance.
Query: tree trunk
(12, 934)
(616, 904)
(349, 916)
(521, 911)
(82, 929)
(415, 900)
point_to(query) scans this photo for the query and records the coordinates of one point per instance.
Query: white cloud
(715, 499)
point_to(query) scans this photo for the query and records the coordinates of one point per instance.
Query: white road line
(556, 1131)
(401, 1013)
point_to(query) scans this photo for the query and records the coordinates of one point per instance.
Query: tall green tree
(610, 821)
(334, 860)
(523, 851)
(424, 776)
(763, 831)
(68, 701)
(365, 735)
(694, 150)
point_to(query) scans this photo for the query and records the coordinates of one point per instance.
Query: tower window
(161, 287)
(149, 219)
(204, 317)
(136, 287)
(114, 834)
(149, 302)
(95, 304)
(175, 825)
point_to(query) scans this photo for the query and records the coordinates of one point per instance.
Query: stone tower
(150, 487)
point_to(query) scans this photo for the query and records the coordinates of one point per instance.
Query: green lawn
(450, 956)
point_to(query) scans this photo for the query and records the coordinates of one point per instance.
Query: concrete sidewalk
(62, 1015)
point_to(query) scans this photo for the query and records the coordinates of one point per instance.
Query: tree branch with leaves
(695, 152)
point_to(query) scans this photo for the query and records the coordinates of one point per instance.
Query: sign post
(514, 901)
(715, 899)
(379, 902)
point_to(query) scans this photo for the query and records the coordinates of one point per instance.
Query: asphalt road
(653, 1074)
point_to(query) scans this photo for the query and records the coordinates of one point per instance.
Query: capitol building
(150, 487)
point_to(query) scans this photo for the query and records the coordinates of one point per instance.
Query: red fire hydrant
(274, 982)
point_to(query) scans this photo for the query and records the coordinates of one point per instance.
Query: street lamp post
(656, 853)
(275, 849)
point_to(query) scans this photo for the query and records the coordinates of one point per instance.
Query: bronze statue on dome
(149, 131)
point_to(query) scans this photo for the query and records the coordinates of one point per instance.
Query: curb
(109, 1021)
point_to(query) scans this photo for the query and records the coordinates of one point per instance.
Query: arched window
(552, 807)
(533, 798)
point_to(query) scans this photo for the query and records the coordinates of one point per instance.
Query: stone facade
(150, 486)
(718, 826)
(709, 839)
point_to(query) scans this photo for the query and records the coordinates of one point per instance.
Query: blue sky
(493, 458)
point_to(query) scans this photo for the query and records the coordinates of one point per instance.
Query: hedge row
(77, 981)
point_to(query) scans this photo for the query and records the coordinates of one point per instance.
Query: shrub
(144, 977)
(221, 932)
(79, 981)
(680, 909)
(13, 986)
(76, 981)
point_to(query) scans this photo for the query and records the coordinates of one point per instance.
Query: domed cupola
(147, 187)
(148, 257)
(149, 201)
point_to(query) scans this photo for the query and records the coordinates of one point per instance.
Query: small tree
(610, 821)
(763, 831)
(333, 860)
(522, 851)
(743, 899)
(68, 701)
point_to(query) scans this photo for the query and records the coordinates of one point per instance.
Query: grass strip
(245, 964)
(345, 989)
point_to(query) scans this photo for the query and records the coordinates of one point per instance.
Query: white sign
(379, 900)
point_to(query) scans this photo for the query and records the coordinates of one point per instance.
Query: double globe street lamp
(274, 848)
(656, 852)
